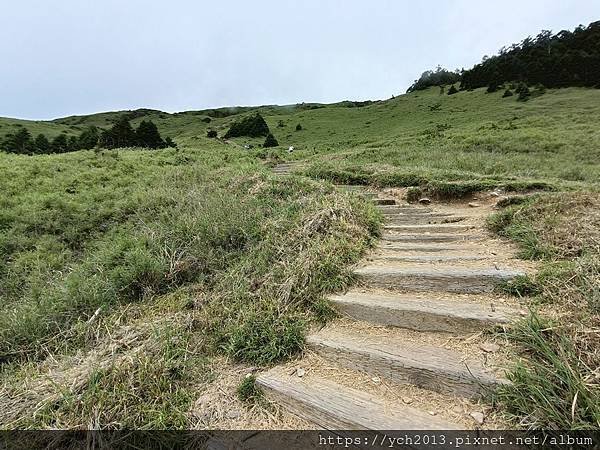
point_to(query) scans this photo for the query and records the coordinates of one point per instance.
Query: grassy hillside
(467, 136)
(124, 272)
(129, 271)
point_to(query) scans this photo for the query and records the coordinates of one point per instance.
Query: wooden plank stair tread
(417, 247)
(428, 258)
(425, 366)
(430, 228)
(336, 407)
(422, 314)
(432, 237)
(436, 278)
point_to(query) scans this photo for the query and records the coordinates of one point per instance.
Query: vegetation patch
(555, 382)
(124, 273)
(251, 126)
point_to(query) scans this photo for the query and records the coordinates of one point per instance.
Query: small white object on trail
(291, 149)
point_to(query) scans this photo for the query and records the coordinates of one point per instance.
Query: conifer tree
(41, 144)
(270, 141)
(147, 135)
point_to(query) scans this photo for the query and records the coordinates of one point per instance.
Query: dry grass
(556, 383)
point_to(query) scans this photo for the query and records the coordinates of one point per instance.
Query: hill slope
(465, 136)
(135, 270)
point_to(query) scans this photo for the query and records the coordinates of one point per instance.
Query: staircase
(409, 351)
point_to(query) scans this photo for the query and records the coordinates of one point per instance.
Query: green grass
(189, 254)
(554, 383)
(167, 259)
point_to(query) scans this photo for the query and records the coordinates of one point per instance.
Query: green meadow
(180, 256)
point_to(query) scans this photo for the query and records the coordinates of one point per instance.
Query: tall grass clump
(124, 275)
(555, 384)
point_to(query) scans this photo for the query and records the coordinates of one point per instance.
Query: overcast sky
(66, 57)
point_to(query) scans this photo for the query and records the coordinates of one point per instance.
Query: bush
(211, 133)
(452, 90)
(147, 135)
(251, 126)
(270, 141)
(492, 87)
(524, 94)
(298, 127)
(507, 93)
(170, 142)
(207, 120)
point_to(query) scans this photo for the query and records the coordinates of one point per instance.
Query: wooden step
(429, 228)
(419, 247)
(405, 209)
(421, 219)
(422, 314)
(425, 366)
(336, 407)
(433, 237)
(427, 258)
(449, 279)
(384, 201)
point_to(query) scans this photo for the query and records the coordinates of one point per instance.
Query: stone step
(438, 278)
(335, 407)
(429, 228)
(421, 365)
(425, 238)
(422, 314)
(428, 258)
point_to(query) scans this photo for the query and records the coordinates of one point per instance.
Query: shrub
(119, 135)
(170, 142)
(251, 126)
(507, 93)
(270, 141)
(492, 87)
(211, 133)
(280, 124)
(524, 94)
(207, 120)
(452, 90)
(298, 127)
(147, 135)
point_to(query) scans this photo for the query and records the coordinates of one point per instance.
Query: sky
(72, 57)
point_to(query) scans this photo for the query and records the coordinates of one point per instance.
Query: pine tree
(251, 126)
(88, 138)
(21, 142)
(524, 94)
(59, 144)
(452, 90)
(41, 144)
(147, 135)
(270, 141)
(73, 144)
(119, 135)
(170, 142)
